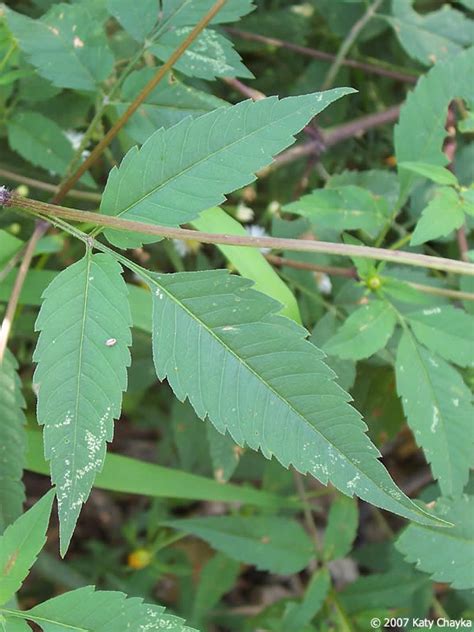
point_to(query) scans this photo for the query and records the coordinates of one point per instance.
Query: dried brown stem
(5, 329)
(301, 245)
(150, 86)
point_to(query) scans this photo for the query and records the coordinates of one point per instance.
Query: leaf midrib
(207, 158)
(71, 496)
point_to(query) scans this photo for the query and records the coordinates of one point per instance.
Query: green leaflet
(437, 174)
(420, 131)
(341, 528)
(251, 372)
(82, 355)
(12, 442)
(250, 262)
(438, 407)
(169, 103)
(138, 18)
(270, 543)
(442, 215)
(187, 12)
(86, 609)
(433, 36)
(21, 544)
(188, 168)
(448, 555)
(41, 142)
(366, 331)
(67, 46)
(447, 331)
(211, 55)
(343, 208)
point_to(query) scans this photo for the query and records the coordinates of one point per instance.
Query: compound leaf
(445, 330)
(68, 45)
(438, 408)
(272, 543)
(12, 442)
(188, 168)
(21, 544)
(365, 332)
(251, 372)
(446, 554)
(102, 611)
(82, 355)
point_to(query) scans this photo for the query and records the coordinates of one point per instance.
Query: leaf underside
(185, 169)
(102, 611)
(250, 371)
(82, 355)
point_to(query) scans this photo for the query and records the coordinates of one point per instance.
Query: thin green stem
(7, 56)
(347, 44)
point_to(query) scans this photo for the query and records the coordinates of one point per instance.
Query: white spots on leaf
(435, 419)
(353, 482)
(53, 30)
(78, 43)
(432, 311)
(159, 294)
(111, 342)
(455, 402)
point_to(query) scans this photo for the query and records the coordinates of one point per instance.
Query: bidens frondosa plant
(109, 97)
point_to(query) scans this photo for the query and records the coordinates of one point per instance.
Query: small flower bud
(5, 196)
(23, 190)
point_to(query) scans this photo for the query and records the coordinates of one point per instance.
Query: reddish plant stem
(355, 128)
(318, 54)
